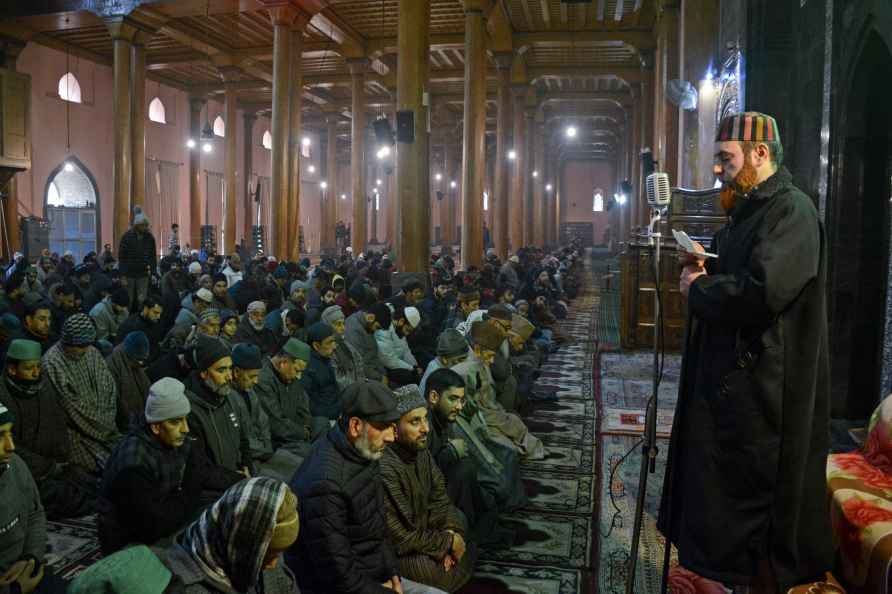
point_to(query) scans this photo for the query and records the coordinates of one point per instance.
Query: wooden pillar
(359, 229)
(412, 194)
(474, 135)
(11, 48)
(328, 196)
(502, 174)
(138, 121)
(282, 18)
(670, 67)
(518, 171)
(248, 171)
(447, 212)
(540, 224)
(295, 99)
(647, 125)
(122, 34)
(528, 116)
(195, 105)
(229, 171)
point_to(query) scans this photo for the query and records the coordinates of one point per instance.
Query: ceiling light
(512, 155)
(207, 147)
(311, 169)
(190, 143)
(323, 184)
(571, 131)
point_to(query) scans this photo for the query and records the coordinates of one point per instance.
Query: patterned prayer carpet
(73, 546)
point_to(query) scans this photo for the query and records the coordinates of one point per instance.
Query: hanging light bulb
(69, 167)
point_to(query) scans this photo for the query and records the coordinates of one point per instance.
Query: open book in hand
(685, 243)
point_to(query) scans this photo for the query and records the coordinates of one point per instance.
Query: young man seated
(426, 529)
(153, 483)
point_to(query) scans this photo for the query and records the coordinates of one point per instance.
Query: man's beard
(745, 180)
(363, 445)
(258, 326)
(221, 391)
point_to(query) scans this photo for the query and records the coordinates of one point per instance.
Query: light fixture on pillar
(311, 169)
(383, 153)
(323, 184)
(535, 174)
(438, 177)
(512, 155)
(306, 141)
(207, 135)
(548, 187)
(378, 182)
(571, 131)
(207, 147)
(343, 196)
(452, 184)
(190, 144)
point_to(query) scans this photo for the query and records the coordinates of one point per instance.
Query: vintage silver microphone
(659, 194)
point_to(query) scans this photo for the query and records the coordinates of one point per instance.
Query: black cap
(370, 401)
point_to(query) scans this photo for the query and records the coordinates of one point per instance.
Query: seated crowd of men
(365, 425)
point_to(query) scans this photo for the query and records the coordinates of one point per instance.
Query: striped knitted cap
(751, 126)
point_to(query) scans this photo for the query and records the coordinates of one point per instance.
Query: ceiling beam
(527, 13)
(618, 15)
(546, 12)
(629, 74)
(636, 38)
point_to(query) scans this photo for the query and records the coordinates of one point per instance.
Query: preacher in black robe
(745, 480)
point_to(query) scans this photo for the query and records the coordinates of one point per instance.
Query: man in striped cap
(744, 498)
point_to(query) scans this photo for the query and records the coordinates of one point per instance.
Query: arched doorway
(859, 238)
(71, 203)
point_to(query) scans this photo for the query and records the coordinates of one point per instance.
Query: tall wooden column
(412, 240)
(248, 170)
(474, 135)
(647, 125)
(518, 172)
(138, 121)
(122, 34)
(229, 171)
(528, 116)
(328, 196)
(11, 48)
(540, 224)
(670, 67)
(359, 228)
(195, 105)
(282, 19)
(295, 92)
(502, 173)
(447, 206)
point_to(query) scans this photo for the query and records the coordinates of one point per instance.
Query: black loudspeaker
(439, 195)
(257, 236)
(383, 132)
(405, 126)
(648, 165)
(35, 237)
(625, 188)
(257, 191)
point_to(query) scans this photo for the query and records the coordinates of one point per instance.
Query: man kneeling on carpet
(426, 529)
(22, 522)
(154, 479)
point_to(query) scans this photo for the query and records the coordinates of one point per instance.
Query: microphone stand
(649, 449)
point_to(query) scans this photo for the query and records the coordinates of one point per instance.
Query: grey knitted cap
(408, 398)
(167, 400)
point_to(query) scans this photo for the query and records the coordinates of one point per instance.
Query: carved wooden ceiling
(571, 54)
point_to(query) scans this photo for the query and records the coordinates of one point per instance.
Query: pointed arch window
(219, 127)
(267, 141)
(69, 88)
(598, 202)
(157, 112)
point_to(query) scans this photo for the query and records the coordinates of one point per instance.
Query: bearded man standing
(744, 498)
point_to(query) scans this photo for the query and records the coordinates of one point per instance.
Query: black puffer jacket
(343, 546)
(137, 254)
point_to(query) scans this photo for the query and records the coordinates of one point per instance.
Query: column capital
(196, 102)
(249, 117)
(10, 49)
(121, 28)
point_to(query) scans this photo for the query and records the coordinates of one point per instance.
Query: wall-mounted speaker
(648, 165)
(405, 126)
(383, 131)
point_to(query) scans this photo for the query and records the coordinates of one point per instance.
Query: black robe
(745, 479)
